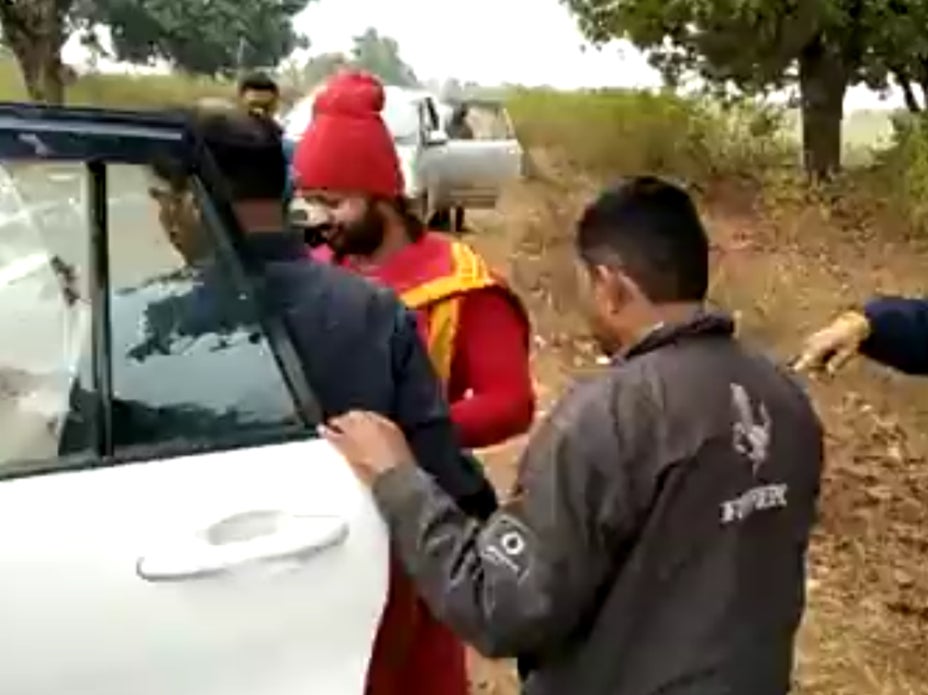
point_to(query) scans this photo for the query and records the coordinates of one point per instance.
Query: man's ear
(157, 194)
(611, 288)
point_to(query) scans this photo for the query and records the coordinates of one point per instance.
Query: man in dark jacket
(656, 539)
(890, 330)
(259, 94)
(357, 345)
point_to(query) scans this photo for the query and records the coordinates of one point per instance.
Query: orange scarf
(431, 276)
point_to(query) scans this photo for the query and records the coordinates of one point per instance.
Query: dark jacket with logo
(656, 539)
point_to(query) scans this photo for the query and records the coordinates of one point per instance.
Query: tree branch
(905, 84)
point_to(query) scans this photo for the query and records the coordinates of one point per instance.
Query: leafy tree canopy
(379, 55)
(198, 36)
(757, 45)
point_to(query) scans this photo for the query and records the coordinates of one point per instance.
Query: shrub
(121, 91)
(618, 132)
(906, 166)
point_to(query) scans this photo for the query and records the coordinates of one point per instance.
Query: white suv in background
(440, 173)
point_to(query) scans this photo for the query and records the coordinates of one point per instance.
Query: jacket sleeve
(899, 333)
(421, 411)
(491, 359)
(520, 582)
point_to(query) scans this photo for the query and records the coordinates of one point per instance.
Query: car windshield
(400, 113)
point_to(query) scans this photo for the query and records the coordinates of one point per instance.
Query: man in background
(259, 94)
(459, 129)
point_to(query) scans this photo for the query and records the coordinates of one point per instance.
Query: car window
(44, 312)
(190, 362)
(489, 121)
(190, 365)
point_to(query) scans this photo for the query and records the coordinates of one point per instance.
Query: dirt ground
(783, 269)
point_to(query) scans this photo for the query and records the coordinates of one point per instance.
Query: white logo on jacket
(751, 436)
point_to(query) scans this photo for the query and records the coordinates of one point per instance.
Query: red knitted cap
(347, 147)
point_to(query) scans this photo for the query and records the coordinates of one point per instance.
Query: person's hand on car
(832, 347)
(371, 444)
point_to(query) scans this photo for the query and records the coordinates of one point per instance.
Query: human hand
(832, 347)
(371, 444)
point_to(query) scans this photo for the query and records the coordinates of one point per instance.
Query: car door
(434, 160)
(170, 523)
(474, 171)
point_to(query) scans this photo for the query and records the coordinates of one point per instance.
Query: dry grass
(123, 91)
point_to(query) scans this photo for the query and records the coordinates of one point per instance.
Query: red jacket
(476, 329)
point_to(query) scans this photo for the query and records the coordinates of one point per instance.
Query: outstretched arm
(518, 583)
(898, 333)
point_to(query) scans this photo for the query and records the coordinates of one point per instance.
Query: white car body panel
(473, 173)
(78, 618)
(410, 157)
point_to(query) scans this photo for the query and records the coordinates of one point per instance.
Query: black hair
(415, 228)
(259, 82)
(651, 229)
(248, 151)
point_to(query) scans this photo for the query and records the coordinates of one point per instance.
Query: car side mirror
(436, 138)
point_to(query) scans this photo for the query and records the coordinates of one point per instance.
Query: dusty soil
(783, 265)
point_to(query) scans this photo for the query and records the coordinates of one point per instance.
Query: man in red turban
(476, 329)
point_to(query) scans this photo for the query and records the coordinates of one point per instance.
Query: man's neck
(678, 312)
(659, 315)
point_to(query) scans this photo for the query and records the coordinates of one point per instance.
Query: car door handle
(241, 540)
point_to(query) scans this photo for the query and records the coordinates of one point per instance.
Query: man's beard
(361, 238)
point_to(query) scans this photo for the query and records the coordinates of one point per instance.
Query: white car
(440, 172)
(171, 523)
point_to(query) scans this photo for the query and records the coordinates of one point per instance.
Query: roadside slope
(783, 271)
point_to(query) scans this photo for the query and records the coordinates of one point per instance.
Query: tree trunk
(822, 85)
(35, 34)
(42, 74)
(908, 93)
